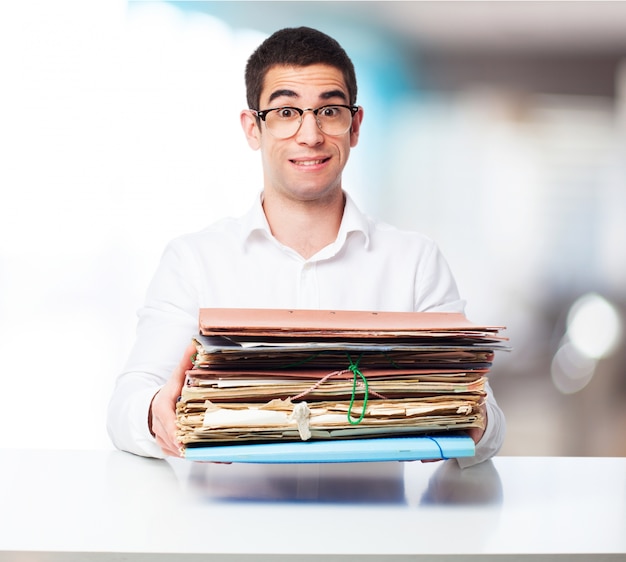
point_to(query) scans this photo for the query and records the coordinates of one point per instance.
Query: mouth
(307, 163)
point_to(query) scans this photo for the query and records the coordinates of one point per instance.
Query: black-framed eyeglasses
(284, 122)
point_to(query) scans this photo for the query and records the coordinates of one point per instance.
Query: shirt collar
(353, 220)
(254, 222)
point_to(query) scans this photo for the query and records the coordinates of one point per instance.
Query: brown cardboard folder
(293, 323)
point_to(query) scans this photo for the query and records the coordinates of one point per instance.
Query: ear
(250, 129)
(356, 127)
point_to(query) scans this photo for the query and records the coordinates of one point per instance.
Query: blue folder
(339, 450)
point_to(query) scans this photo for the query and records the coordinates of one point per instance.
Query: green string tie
(354, 367)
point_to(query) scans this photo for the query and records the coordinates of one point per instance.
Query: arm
(438, 292)
(167, 322)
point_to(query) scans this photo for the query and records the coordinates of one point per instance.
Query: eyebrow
(291, 94)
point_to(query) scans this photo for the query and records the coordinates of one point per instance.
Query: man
(304, 244)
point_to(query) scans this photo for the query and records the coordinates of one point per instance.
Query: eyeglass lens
(332, 120)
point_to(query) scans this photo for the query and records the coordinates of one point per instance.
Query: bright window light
(594, 326)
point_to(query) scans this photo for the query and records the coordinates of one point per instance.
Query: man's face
(308, 165)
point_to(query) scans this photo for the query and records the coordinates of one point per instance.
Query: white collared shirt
(237, 263)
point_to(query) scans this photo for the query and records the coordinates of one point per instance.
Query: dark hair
(296, 46)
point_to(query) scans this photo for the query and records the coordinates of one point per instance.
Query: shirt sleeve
(436, 289)
(166, 323)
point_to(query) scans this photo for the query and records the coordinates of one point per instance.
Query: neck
(304, 226)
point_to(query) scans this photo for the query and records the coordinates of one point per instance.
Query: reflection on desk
(362, 483)
(108, 505)
(352, 483)
(475, 485)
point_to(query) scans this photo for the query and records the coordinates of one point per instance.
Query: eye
(330, 111)
(287, 113)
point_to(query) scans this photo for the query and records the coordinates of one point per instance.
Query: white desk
(107, 505)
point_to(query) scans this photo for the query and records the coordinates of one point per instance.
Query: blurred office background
(497, 128)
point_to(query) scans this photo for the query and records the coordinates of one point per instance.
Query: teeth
(309, 162)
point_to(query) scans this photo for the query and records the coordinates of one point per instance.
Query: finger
(170, 449)
(166, 435)
(163, 416)
(186, 362)
(177, 379)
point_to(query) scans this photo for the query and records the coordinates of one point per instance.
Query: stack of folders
(267, 376)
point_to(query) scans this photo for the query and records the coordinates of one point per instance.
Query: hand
(476, 433)
(162, 414)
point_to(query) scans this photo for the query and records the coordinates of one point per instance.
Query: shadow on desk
(390, 483)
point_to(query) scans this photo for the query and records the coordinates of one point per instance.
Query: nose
(309, 132)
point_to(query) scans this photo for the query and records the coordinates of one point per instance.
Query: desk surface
(108, 505)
